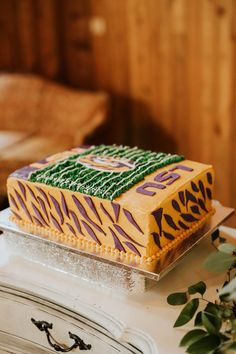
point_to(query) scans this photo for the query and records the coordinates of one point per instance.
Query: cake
(131, 203)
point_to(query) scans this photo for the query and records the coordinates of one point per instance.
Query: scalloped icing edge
(85, 245)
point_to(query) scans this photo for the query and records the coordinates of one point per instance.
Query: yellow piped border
(84, 245)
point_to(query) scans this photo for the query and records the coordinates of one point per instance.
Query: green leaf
(211, 322)
(219, 261)
(187, 313)
(177, 299)
(199, 287)
(204, 345)
(198, 319)
(192, 336)
(215, 235)
(213, 309)
(226, 248)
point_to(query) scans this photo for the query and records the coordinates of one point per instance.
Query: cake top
(103, 171)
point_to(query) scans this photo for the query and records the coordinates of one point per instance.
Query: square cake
(129, 202)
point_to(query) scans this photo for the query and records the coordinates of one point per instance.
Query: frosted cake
(132, 203)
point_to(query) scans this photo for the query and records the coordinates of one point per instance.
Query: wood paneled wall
(169, 65)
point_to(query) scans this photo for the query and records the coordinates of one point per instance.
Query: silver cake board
(100, 269)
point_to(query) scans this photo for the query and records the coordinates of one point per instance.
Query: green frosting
(75, 175)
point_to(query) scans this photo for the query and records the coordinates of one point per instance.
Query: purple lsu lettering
(161, 177)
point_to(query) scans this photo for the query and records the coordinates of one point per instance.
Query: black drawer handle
(45, 326)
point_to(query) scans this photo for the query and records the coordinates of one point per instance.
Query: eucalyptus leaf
(204, 345)
(199, 287)
(177, 299)
(192, 336)
(198, 319)
(219, 261)
(226, 248)
(187, 313)
(211, 322)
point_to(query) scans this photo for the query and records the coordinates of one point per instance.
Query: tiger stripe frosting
(146, 219)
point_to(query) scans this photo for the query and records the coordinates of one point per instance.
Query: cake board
(102, 269)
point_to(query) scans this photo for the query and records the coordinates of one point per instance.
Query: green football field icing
(71, 174)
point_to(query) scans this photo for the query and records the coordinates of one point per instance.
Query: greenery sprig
(215, 323)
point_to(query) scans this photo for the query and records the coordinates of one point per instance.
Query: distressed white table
(110, 322)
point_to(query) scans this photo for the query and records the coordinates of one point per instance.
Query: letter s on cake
(117, 199)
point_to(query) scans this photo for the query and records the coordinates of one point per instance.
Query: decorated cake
(131, 203)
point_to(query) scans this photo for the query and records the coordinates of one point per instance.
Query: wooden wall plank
(8, 57)
(221, 121)
(47, 37)
(110, 63)
(25, 36)
(75, 42)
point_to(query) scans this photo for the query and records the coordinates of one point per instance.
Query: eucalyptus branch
(215, 325)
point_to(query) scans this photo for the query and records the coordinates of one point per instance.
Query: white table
(144, 320)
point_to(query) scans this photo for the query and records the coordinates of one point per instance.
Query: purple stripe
(16, 215)
(132, 248)
(130, 217)
(92, 207)
(168, 236)
(37, 221)
(39, 215)
(116, 208)
(158, 217)
(32, 193)
(71, 228)
(91, 232)
(170, 222)
(181, 224)
(64, 205)
(117, 242)
(57, 208)
(106, 212)
(202, 189)
(22, 188)
(202, 204)
(43, 207)
(124, 234)
(23, 205)
(76, 222)
(56, 223)
(209, 177)
(181, 197)
(209, 194)
(188, 217)
(156, 238)
(12, 199)
(85, 215)
(44, 195)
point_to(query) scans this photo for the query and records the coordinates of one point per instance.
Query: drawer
(18, 334)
